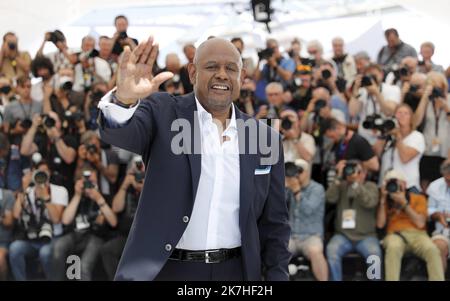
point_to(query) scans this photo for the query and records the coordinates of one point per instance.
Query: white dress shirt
(438, 199)
(214, 222)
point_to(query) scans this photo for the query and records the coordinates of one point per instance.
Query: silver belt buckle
(208, 259)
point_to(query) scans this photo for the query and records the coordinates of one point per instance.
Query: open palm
(134, 78)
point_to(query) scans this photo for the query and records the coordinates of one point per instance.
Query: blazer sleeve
(274, 229)
(134, 134)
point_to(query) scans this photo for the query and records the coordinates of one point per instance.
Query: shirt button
(168, 247)
(185, 219)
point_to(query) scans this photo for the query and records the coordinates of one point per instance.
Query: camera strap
(27, 116)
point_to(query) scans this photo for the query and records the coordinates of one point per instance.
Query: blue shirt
(306, 216)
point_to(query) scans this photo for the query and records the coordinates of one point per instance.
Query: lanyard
(24, 112)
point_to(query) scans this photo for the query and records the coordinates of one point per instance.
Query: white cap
(394, 174)
(339, 116)
(302, 163)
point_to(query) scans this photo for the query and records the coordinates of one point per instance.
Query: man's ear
(192, 70)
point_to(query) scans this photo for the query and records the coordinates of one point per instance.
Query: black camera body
(436, 93)
(265, 54)
(326, 74)
(56, 36)
(36, 227)
(320, 104)
(286, 124)
(48, 121)
(392, 186)
(26, 123)
(349, 169)
(123, 35)
(366, 80)
(244, 93)
(91, 148)
(377, 122)
(87, 184)
(292, 170)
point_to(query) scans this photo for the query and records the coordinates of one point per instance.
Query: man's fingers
(152, 57)
(137, 52)
(146, 52)
(126, 55)
(160, 78)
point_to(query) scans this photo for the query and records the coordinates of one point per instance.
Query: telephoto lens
(392, 186)
(40, 177)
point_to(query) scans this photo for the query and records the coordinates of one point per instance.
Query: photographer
(404, 214)
(62, 98)
(98, 90)
(124, 205)
(362, 61)
(301, 88)
(6, 96)
(104, 161)
(90, 68)
(276, 69)
(274, 92)
(315, 51)
(38, 211)
(174, 85)
(11, 165)
(18, 114)
(346, 67)
(426, 64)
(402, 74)
(348, 145)
(105, 45)
(121, 37)
(247, 62)
(42, 67)
(434, 112)
(13, 63)
(391, 55)
(247, 101)
(6, 224)
(439, 211)
(89, 215)
(306, 199)
(412, 91)
(355, 221)
(62, 58)
(296, 144)
(371, 96)
(402, 148)
(46, 137)
(325, 76)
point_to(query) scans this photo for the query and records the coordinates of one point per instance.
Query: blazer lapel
(247, 164)
(187, 109)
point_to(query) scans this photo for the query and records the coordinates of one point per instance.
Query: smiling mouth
(220, 87)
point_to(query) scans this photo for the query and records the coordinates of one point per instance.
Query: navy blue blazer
(170, 187)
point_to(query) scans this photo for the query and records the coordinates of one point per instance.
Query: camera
(377, 122)
(26, 123)
(292, 170)
(91, 148)
(366, 80)
(392, 186)
(265, 54)
(286, 124)
(413, 88)
(5, 90)
(320, 104)
(246, 93)
(436, 93)
(56, 36)
(12, 46)
(139, 174)
(87, 184)
(40, 177)
(349, 169)
(48, 121)
(326, 74)
(67, 86)
(123, 35)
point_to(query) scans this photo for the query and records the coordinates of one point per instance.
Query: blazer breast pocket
(262, 185)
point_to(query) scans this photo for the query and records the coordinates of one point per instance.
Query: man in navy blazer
(206, 212)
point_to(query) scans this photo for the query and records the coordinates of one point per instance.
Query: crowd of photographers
(366, 153)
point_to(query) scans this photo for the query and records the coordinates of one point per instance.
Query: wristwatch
(116, 101)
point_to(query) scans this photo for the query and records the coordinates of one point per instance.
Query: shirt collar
(203, 115)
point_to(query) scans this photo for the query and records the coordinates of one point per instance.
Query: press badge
(349, 219)
(435, 145)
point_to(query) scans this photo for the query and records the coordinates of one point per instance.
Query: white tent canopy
(174, 23)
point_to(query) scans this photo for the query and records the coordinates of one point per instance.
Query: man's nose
(222, 73)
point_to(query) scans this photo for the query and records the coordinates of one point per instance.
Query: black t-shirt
(185, 81)
(126, 217)
(62, 173)
(357, 148)
(117, 48)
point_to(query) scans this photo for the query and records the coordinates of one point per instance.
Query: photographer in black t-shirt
(347, 145)
(87, 218)
(124, 205)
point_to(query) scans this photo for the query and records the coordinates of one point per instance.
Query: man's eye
(210, 67)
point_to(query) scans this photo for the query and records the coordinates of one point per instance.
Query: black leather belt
(207, 256)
